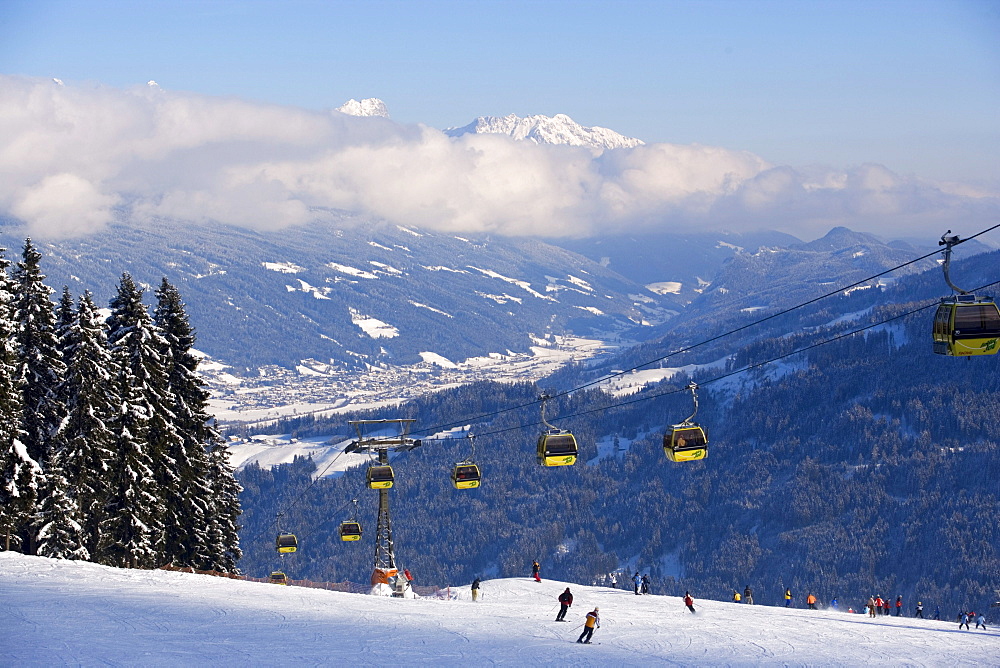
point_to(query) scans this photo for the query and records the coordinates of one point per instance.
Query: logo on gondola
(989, 345)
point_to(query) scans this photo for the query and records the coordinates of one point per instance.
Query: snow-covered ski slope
(73, 613)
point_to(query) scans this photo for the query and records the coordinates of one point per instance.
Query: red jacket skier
(565, 600)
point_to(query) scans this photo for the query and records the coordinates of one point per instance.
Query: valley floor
(61, 612)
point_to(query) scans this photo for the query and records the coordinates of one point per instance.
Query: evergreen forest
(107, 451)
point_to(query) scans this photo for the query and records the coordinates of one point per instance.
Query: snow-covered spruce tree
(91, 399)
(19, 473)
(40, 367)
(188, 511)
(132, 534)
(57, 524)
(224, 527)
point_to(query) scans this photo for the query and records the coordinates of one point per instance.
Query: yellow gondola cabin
(557, 448)
(350, 531)
(685, 443)
(965, 326)
(380, 477)
(286, 542)
(466, 475)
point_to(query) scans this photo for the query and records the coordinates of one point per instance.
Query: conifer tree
(188, 510)
(224, 525)
(40, 367)
(132, 534)
(58, 529)
(19, 473)
(91, 399)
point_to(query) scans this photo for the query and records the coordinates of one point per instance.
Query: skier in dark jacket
(565, 600)
(475, 589)
(748, 596)
(645, 584)
(920, 610)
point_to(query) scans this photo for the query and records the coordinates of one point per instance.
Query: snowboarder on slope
(981, 620)
(688, 601)
(535, 568)
(811, 601)
(748, 596)
(736, 596)
(593, 622)
(964, 621)
(475, 589)
(565, 600)
(834, 605)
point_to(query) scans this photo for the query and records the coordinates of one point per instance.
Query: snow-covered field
(74, 613)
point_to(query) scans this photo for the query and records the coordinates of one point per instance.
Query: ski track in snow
(75, 613)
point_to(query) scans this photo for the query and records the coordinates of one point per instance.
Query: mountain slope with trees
(865, 465)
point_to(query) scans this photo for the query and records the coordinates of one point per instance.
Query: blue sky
(912, 85)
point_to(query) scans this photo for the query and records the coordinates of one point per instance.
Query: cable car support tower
(381, 446)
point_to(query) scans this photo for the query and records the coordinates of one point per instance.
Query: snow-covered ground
(74, 613)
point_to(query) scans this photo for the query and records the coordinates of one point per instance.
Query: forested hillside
(867, 465)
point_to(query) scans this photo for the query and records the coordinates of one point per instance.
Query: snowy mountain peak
(558, 129)
(371, 106)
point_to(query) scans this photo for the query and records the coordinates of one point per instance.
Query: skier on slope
(788, 597)
(688, 601)
(593, 622)
(565, 600)
(475, 589)
(535, 568)
(811, 601)
(645, 584)
(899, 605)
(980, 621)
(636, 580)
(919, 612)
(748, 596)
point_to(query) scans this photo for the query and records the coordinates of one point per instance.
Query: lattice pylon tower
(385, 551)
(385, 555)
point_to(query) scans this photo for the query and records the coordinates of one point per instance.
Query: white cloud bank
(71, 156)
